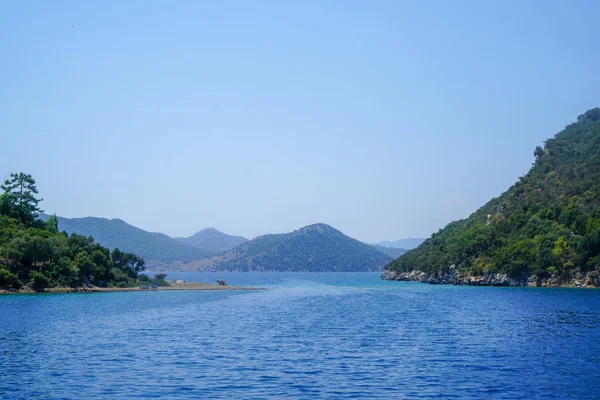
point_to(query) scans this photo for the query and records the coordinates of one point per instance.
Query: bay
(309, 335)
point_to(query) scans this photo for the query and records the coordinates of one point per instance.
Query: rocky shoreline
(454, 277)
(95, 289)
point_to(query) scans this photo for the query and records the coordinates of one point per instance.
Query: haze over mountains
(408, 244)
(212, 240)
(317, 247)
(158, 249)
(313, 248)
(390, 251)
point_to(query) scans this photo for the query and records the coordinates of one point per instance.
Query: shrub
(39, 280)
(9, 280)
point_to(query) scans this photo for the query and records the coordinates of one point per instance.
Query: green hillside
(155, 248)
(212, 240)
(314, 248)
(544, 230)
(34, 256)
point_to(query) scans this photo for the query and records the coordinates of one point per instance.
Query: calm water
(308, 336)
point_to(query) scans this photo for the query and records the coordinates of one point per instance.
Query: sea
(307, 336)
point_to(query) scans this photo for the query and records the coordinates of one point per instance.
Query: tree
(128, 262)
(592, 115)
(19, 197)
(539, 151)
(39, 280)
(52, 224)
(84, 263)
(8, 279)
(5, 206)
(116, 257)
(132, 264)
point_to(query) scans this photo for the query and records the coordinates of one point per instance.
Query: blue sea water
(313, 335)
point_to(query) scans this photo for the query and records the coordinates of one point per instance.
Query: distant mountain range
(212, 240)
(407, 244)
(317, 247)
(314, 248)
(158, 249)
(390, 251)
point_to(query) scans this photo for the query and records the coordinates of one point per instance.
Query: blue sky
(385, 119)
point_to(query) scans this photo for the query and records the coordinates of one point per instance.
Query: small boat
(221, 282)
(213, 270)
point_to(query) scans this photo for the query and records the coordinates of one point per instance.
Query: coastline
(452, 277)
(173, 287)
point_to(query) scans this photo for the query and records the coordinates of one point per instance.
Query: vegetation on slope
(313, 248)
(546, 226)
(155, 248)
(34, 253)
(213, 241)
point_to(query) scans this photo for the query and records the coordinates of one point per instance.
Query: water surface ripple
(308, 336)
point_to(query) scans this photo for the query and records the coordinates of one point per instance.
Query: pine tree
(19, 197)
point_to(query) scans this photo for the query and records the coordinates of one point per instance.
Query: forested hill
(544, 230)
(212, 240)
(317, 247)
(155, 248)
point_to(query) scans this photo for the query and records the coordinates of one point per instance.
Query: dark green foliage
(547, 224)
(9, 280)
(52, 224)
(127, 262)
(34, 253)
(313, 248)
(39, 280)
(160, 282)
(156, 248)
(18, 199)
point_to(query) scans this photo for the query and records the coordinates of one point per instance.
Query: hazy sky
(383, 119)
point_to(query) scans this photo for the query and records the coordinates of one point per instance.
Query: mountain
(213, 241)
(407, 244)
(390, 251)
(317, 247)
(157, 249)
(543, 231)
